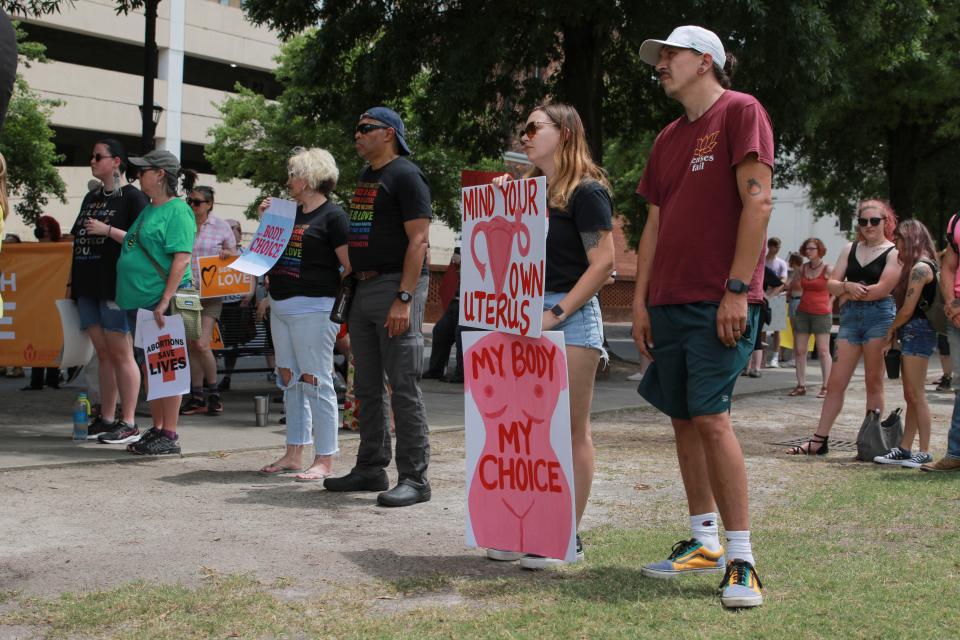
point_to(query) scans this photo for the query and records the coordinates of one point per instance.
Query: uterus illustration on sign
(515, 383)
(498, 234)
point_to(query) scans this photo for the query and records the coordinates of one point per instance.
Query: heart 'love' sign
(216, 280)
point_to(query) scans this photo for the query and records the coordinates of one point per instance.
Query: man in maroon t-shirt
(698, 293)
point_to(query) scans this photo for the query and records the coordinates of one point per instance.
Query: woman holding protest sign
(154, 263)
(214, 238)
(93, 284)
(579, 259)
(303, 284)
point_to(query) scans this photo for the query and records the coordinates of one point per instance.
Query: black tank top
(869, 273)
(929, 292)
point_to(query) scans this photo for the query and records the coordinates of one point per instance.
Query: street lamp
(150, 130)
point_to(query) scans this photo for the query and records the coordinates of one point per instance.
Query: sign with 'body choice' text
(271, 238)
(519, 456)
(503, 256)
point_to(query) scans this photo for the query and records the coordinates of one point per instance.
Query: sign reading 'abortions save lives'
(165, 350)
(503, 256)
(519, 460)
(271, 238)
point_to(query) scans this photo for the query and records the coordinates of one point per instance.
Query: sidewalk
(35, 425)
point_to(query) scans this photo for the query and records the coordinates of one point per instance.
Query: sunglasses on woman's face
(530, 130)
(193, 202)
(874, 222)
(96, 157)
(812, 248)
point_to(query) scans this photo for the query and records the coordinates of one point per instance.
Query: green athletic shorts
(693, 373)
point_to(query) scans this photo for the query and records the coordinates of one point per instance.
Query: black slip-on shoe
(404, 495)
(355, 482)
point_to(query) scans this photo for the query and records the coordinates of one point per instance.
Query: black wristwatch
(404, 296)
(737, 286)
(558, 311)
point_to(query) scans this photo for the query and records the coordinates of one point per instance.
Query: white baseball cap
(689, 37)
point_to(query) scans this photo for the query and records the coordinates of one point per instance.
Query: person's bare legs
(822, 345)
(693, 468)
(848, 355)
(913, 374)
(581, 368)
(107, 378)
(725, 469)
(800, 342)
(125, 371)
(203, 366)
(873, 371)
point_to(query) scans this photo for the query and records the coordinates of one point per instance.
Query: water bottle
(81, 414)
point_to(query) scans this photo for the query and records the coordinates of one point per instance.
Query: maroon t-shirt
(691, 176)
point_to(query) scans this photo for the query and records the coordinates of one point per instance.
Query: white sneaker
(503, 556)
(774, 363)
(636, 377)
(895, 456)
(529, 561)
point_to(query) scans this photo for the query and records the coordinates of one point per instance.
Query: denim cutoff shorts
(862, 321)
(583, 327)
(102, 313)
(917, 338)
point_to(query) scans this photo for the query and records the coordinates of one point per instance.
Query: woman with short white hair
(302, 286)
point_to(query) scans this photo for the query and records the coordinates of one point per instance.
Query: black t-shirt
(383, 200)
(308, 266)
(95, 257)
(589, 209)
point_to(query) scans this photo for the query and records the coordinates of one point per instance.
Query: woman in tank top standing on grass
(814, 315)
(916, 290)
(863, 278)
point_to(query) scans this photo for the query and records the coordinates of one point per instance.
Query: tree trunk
(580, 81)
(901, 169)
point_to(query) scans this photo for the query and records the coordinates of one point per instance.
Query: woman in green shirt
(163, 234)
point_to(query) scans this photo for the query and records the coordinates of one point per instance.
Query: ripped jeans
(303, 343)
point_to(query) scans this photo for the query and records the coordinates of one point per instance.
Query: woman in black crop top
(863, 280)
(915, 291)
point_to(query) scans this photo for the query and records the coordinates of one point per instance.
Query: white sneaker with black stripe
(895, 456)
(917, 459)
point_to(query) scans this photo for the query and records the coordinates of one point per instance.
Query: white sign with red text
(165, 352)
(504, 256)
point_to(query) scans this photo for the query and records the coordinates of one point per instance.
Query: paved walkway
(35, 426)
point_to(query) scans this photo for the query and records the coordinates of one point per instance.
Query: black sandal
(805, 448)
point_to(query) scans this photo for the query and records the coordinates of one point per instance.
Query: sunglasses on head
(874, 222)
(194, 202)
(96, 157)
(531, 128)
(366, 127)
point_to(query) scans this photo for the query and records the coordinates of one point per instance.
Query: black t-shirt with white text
(588, 209)
(95, 257)
(309, 266)
(383, 200)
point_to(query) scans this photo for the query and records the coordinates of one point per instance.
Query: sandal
(276, 470)
(799, 390)
(806, 449)
(823, 392)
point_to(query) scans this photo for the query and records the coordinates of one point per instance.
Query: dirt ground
(171, 520)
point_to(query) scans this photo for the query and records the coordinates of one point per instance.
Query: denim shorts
(102, 313)
(583, 327)
(862, 321)
(917, 338)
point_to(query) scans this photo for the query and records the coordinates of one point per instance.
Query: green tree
(27, 142)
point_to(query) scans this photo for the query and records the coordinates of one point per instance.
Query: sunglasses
(367, 127)
(874, 222)
(96, 157)
(193, 202)
(532, 127)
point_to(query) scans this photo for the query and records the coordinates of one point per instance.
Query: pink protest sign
(503, 255)
(519, 462)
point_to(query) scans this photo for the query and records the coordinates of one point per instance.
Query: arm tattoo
(917, 275)
(910, 292)
(754, 187)
(590, 239)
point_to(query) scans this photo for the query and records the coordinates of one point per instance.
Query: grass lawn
(858, 552)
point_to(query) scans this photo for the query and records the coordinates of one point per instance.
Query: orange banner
(33, 276)
(216, 280)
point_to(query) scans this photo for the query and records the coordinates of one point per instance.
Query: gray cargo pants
(399, 360)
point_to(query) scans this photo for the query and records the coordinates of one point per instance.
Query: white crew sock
(704, 528)
(738, 546)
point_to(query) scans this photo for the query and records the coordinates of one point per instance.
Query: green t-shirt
(162, 231)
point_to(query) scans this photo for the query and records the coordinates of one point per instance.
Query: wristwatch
(558, 311)
(404, 296)
(737, 286)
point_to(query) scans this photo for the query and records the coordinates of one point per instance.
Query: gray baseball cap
(688, 37)
(158, 159)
